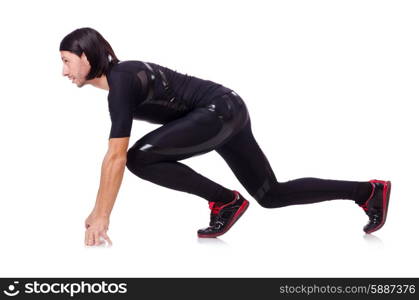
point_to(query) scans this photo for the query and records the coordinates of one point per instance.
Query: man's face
(75, 68)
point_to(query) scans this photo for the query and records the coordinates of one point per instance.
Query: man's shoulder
(128, 66)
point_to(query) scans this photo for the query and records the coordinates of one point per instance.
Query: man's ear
(84, 58)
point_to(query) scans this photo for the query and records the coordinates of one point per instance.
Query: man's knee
(271, 201)
(131, 159)
(139, 156)
(264, 202)
(136, 159)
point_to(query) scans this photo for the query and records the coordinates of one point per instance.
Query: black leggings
(223, 124)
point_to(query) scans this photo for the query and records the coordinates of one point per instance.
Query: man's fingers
(89, 238)
(85, 238)
(96, 242)
(95, 236)
(106, 237)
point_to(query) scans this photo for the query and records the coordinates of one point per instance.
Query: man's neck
(100, 82)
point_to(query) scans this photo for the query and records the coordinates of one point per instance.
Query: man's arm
(112, 172)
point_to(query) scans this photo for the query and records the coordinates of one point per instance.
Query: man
(198, 116)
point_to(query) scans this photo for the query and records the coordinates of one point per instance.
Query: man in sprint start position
(197, 116)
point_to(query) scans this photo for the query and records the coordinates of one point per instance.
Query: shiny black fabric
(199, 116)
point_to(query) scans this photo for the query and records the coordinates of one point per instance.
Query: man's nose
(64, 72)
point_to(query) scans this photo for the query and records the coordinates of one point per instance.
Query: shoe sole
(237, 216)
(386, 200)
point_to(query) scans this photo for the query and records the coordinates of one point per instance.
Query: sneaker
(223, 216)
(377, 205)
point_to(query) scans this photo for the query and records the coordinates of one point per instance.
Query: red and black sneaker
(377, 205)
(223, 216)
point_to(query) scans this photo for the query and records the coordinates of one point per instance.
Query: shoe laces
(215, 207)
(364, 206)
(375, 218)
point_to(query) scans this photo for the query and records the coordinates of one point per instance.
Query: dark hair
(98, 51)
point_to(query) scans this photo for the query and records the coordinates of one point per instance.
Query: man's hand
(96, 227)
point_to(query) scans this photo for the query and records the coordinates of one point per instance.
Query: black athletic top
(153, 93)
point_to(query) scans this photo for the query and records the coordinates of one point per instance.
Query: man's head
(86, 55)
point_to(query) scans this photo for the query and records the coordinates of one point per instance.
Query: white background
(332, 91)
